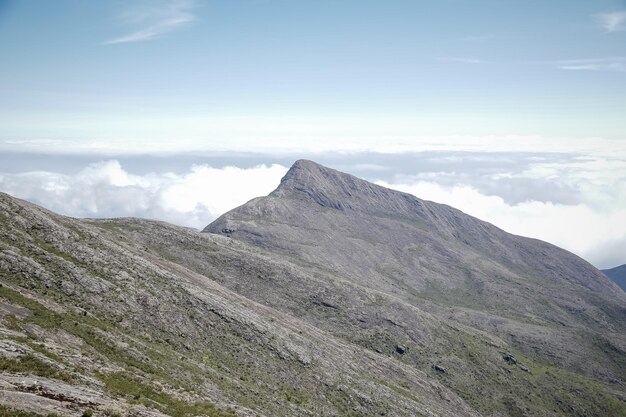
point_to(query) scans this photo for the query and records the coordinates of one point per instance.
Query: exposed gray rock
(509, 358)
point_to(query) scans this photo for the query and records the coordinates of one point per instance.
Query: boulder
(509, 358)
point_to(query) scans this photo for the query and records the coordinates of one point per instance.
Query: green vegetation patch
(10, 412)
(32, 365)
(89, 329)
(125, 385)
(54, 250)
(545, 387)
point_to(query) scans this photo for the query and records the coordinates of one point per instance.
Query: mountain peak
(308, 180)
(309, 174)
(304, 173)
(306, 165)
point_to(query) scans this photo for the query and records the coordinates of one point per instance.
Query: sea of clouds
(576, 202)
(106, 189)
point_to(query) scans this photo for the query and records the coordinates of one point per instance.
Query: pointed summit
(305, 175)
(327, 187)
(304, 165)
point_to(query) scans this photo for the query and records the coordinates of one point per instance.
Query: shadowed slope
(618, 275)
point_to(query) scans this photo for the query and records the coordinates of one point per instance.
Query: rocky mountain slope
(96, 317)
(423, 259)
(618, 275)
(330, 297)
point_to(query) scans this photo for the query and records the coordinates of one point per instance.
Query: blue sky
(179, 110)
(182, 70)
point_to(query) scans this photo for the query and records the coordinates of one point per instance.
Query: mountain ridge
(326, 187)
(617, 274)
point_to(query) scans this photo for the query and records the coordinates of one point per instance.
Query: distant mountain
(329, 297)
(617, 274)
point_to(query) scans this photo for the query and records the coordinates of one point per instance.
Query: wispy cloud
(594, 64)
(476, 38)
(463, 60)
(155, 20)
(613, 22)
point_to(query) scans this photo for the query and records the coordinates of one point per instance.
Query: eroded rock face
(330, 297)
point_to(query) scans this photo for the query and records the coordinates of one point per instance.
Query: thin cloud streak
(613, 22)
(477, 38)
(471, 38)
(157, 21)
(464, 60)
(615, 64)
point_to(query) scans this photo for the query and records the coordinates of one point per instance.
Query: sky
(179, 110)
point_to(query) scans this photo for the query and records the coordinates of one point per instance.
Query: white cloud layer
(578, 203)
(315, 135)
(105, 189)
(594, 235)
(593, 227)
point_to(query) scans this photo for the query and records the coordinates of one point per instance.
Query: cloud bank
(315, 135)
(106, 189)
(576, 202)
(596, 236)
